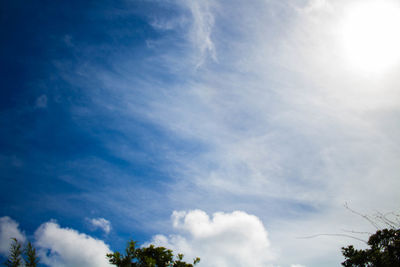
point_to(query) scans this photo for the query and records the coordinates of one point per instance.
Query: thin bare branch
(366, 217)
(388, 220)
(344, 235)
(357, 232)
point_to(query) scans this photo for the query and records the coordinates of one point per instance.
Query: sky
(234, 131)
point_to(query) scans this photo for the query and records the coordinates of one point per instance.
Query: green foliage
(15, 258)
(154, 256)
(150, 256)
(17, 255)
(383, 251)
(120, 260)
(31, 258)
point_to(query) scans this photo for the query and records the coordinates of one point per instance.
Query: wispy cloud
(41, 102)
(278, 126)
(281, 120)
(200, 34)
(100, 223)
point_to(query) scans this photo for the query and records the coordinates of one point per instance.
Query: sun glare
(370, 35)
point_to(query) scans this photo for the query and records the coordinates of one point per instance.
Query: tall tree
(14, 258)
(31, 259)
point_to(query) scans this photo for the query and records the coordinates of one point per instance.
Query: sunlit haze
(370, 35)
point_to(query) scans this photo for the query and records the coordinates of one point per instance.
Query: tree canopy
(150, 256)
(383, 251)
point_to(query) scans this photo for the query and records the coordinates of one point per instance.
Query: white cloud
(101, 223)
(202, 25)
(167, 24)
(287, 127)
(9, 229)
(284, 130)
(225, 239)
(41, 101)
(65, 247)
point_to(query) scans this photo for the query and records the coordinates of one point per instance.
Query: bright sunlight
(370, 35)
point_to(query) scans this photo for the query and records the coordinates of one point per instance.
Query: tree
(383, 251)
(31, 258)
(121, 260)
(150, 256)
(17, 255)
(14, 259)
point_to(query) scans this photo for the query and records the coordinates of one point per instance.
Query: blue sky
(188, 123)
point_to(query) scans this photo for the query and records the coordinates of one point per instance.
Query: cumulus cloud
(100, 223)
(9, 229)
(65, 247)
(224, 239)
